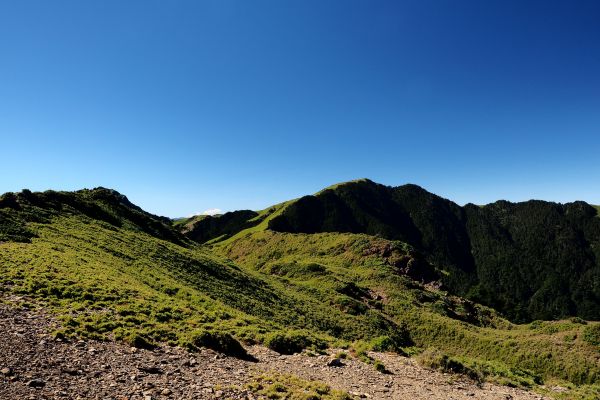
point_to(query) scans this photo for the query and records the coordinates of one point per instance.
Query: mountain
(18, 209)
(530, 260)
(203, 228)
(380, 269)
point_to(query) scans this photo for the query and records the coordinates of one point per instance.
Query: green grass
(111, 275)
(569, 391)
(108, 282)
(279, 386)
(348, 272)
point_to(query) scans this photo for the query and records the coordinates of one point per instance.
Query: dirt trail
(35, 366)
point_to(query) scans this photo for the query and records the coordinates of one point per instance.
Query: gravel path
(35, 366)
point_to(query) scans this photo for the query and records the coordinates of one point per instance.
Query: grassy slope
(529, 260)
(108, 280)
(114, 282)
(319, 265)
(285, 290)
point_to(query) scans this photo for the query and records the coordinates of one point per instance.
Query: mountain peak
(354, 182)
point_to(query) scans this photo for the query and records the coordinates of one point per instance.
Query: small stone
(6, 371)
(166, 392)
(36, 383)
(151, 370)
(336, 362)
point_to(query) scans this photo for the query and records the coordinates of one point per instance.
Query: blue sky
(191, 105)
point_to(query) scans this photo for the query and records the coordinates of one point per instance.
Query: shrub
(591, 334)
(388, 343)
(291, 342)
(379, 366)
(435, 359)
(139, 341)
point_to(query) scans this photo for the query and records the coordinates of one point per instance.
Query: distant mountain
(529, 260)
(202, 228)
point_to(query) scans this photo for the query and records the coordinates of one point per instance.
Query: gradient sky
(185, 106)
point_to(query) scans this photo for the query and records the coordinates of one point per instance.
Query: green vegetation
(591, 334)
(530, 260)
(203, 228)
(278, 386)
(109, 270)
(358, 275)
(434, 359)
(572, 392)
(18, 209)
(292, 342)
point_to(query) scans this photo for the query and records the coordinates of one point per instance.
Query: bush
(291, 342)
(379, 366)
(591, 334)
(139, 341)
(435, 359)
(387, 343)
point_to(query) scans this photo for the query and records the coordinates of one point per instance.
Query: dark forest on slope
(529, 260)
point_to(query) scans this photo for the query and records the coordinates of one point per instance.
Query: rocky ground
(33, 365)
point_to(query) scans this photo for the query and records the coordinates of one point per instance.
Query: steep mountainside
(531, 260)
(537, 260)
(408, 213)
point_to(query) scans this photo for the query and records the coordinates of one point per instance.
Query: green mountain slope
(361, 274)
(112, 278)
(109, 270)
(531, 260)
(17, 209)
(92, 260)
(203, 228)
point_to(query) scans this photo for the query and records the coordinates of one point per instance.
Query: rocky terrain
(34, 365)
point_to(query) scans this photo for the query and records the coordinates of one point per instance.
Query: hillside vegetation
(530, 260)
(358, 273)
(108, 269)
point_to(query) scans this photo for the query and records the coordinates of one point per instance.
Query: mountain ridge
(110, 271)
(515, 257)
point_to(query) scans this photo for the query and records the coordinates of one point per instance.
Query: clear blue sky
(190, 105)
